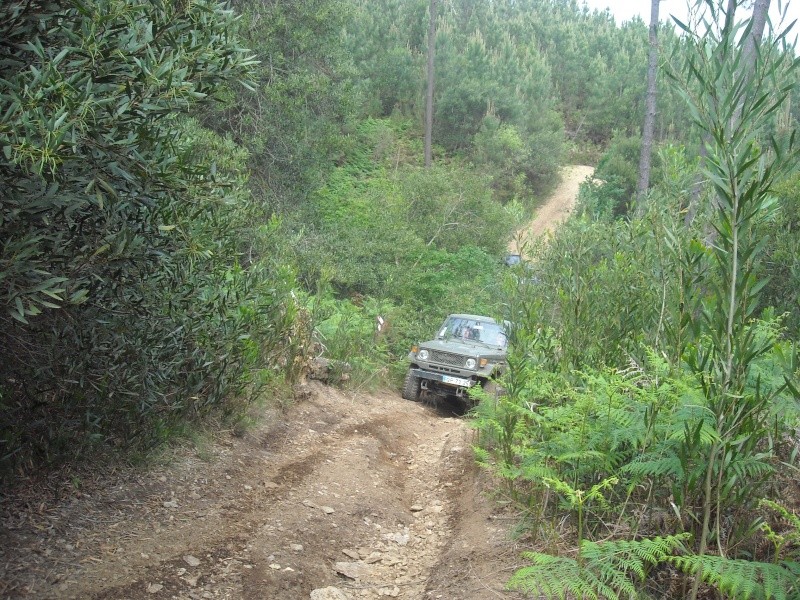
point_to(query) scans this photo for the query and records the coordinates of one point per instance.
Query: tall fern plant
(732, 100)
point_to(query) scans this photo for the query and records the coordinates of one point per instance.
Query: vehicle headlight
(470, 364)
(422, 355)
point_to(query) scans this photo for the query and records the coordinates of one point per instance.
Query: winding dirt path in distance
(556, 209)
(343, 495)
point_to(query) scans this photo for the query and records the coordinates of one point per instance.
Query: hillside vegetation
(199, 197)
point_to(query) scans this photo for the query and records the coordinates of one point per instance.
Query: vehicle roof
(473, 317)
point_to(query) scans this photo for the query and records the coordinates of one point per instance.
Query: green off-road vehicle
(469, 350)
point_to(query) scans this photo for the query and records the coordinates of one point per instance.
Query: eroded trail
(369, 494)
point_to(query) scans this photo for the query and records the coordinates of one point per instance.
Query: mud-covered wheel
(411, 387)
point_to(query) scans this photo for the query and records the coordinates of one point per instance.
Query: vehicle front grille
(446, 358)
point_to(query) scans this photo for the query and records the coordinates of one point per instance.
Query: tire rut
(348, 480)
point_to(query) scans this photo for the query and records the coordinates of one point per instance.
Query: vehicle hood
(464, 347)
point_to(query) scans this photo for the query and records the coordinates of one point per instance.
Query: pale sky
(624, 10)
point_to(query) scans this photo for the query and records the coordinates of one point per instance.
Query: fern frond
(659, 467)
(793, 519)
(596, 491)
(537, 472)
(708, 433)
(482, 456)
(571, 494)
(741, 579)
(632, 555)
(618, 428)
(507, 471)
(549, 576)
(580, 455)
(559, 577)
(751, 467)
(607, 570)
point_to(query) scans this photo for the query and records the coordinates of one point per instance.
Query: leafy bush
(597, 289)
(782, 260)
(617, 174)
(293, 120)
(130, 295)
(619, 451)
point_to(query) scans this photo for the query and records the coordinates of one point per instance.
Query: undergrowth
(649, 429)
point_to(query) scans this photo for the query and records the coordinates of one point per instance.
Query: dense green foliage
(652, 392)
(127, 303)
(292, 123)
(419, 242)
(549, 71)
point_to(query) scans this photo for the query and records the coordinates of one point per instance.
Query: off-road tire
(411, 387)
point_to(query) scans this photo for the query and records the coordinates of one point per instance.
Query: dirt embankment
(345, 495)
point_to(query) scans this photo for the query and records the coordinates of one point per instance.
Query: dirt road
(555, 210)
(342, 496)
(351, 496)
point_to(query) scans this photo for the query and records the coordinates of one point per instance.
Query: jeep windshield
(474, 330)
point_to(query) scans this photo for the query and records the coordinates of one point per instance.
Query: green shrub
(132, 295)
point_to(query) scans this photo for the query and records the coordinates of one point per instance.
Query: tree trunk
(691, 210)
(650, 109)
(429, 95)
(757, 23)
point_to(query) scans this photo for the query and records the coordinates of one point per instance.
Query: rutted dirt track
(344, 495)
(557, 207)
(370, 494)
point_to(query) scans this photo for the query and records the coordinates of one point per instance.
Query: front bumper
(444, 380)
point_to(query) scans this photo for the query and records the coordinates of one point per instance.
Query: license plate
(456, 381)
